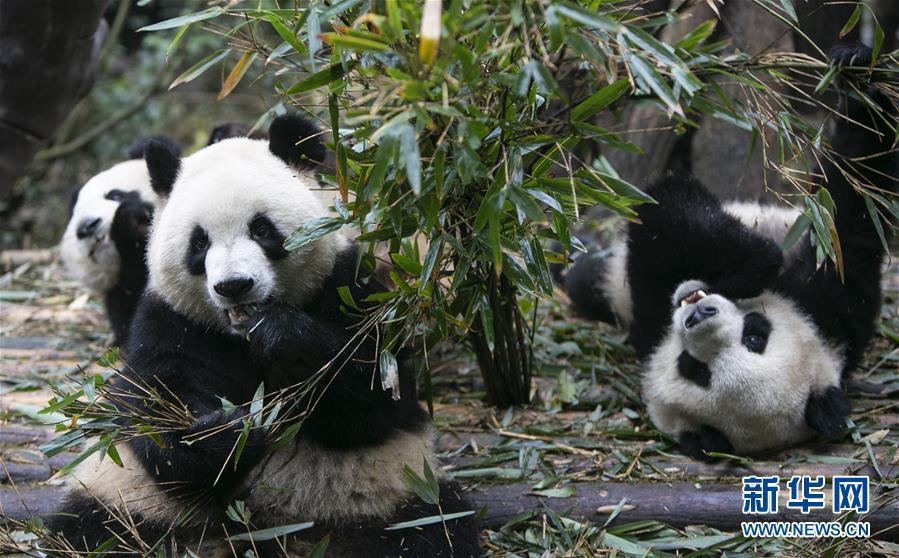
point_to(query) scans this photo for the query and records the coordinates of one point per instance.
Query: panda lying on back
(105, 241)
(745, 347)
(227, 308)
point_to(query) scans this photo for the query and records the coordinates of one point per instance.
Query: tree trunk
(506, 365)
(48, 54)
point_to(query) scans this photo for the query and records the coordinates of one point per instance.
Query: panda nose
(234, 288)
(87, 227)
(699, 314)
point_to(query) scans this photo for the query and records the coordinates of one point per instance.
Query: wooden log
(30, 465)
(675, 504)
(11, 259)
(22, 503)
(19, 435)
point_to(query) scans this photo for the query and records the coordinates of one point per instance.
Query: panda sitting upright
(745, 346)
(227, 308)
(105, 241)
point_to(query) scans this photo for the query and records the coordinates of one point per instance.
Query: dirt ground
(579, 472)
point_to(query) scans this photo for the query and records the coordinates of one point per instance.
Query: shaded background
(129, 100)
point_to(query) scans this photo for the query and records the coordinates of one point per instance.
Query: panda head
(87, 248)
(216, 247)
(752, 369)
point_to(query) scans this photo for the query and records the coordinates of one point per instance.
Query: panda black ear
(163, 165)
(137, 150)
(296, 141)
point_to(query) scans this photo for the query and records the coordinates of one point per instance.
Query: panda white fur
(215, 253)
(104, 243)
(745, 347)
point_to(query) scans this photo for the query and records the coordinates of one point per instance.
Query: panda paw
(697, 443)
(826, 411)
(210, 441)
(132, 219)
(850, 54)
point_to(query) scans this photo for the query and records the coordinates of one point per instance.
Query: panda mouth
(98, 243)
(692, 298)
(241, 314)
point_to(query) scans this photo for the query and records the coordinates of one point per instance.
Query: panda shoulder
(155, 325)
(350, 274)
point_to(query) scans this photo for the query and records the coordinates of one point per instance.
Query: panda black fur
(105, 240)
(744, 347)
(229, 130)
(215, 248)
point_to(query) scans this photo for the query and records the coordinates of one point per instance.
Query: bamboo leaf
(311, 231)
(852, 21)
(357, 44)
(236, 74)
(875, 218)
(599, 100)
(242, 442)
(585, 16)
(176, 41)
(197, 69)
(319, 550)
(796, 229)
(423, 488)
(347, 297)
(101, 444)
(286, 34)
(878, 42)
(272, 533)
(698, 35)
(185, 19)
(429, 520)
(256, 404)
(321, 78)
(561, 492)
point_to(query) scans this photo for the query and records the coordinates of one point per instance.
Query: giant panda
(105, 239)
(744, 346)
(227, 308)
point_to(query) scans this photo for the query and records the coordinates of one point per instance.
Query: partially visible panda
(744, 346)
(228, 308)
(105, 240)
(228, 130)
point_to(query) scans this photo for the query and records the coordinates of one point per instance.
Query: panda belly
(303, 481)
(306, 482)
(771, 221)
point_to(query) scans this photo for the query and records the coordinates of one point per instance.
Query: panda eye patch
(756, 329)
(260, 228)
(197, 247)
(115, 195)
(266, 235)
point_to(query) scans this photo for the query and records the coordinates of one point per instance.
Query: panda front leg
(287, 335)
(128, 231)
